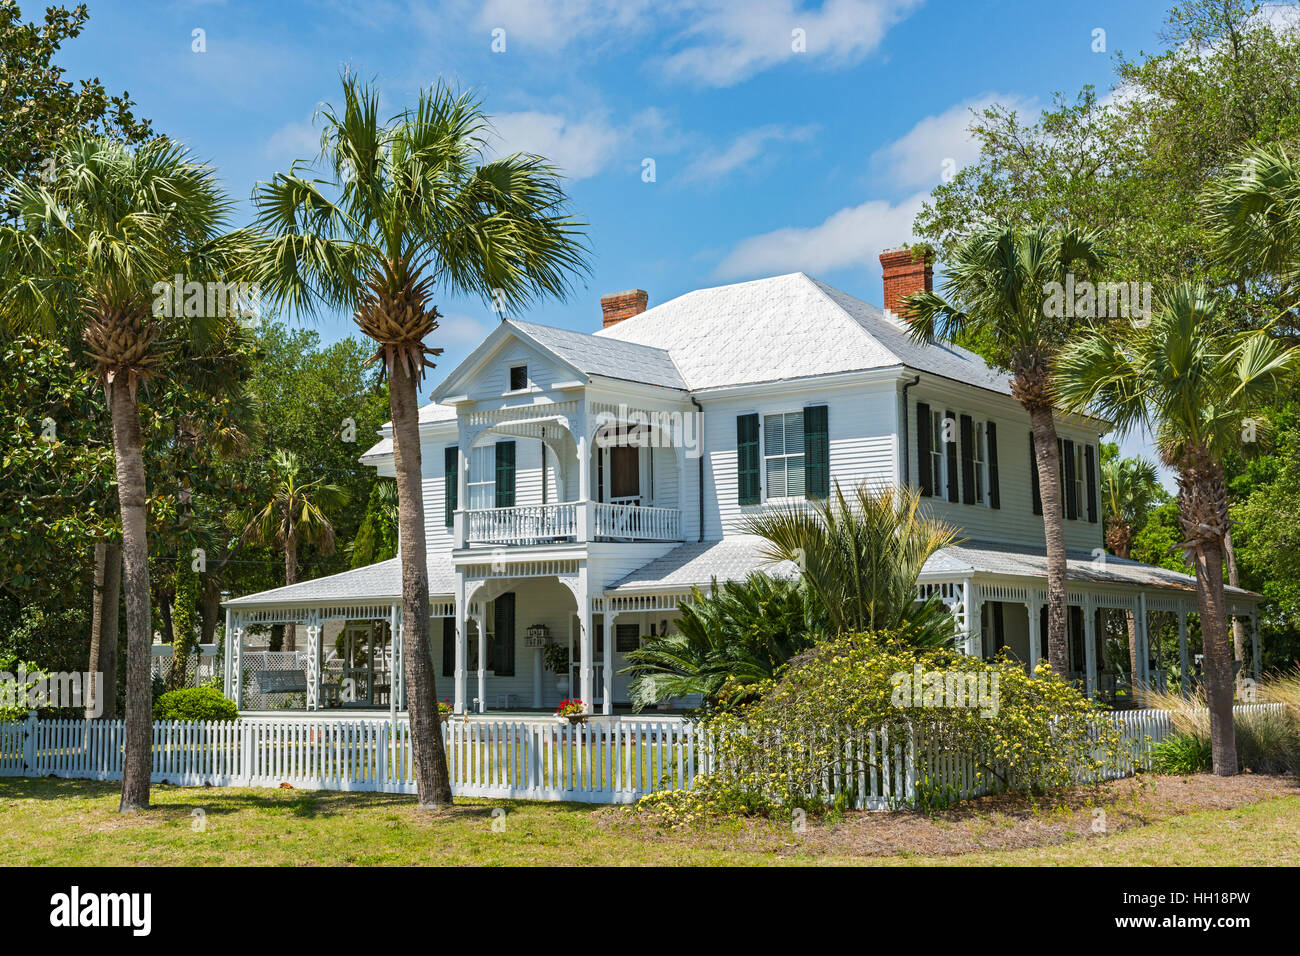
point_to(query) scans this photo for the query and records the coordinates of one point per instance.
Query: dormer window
(518, 378)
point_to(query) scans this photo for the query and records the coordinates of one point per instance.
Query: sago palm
(858, 554)
(296, 513)
(726, 641)
(1195, 385)
(84, 254)
(1129, 487)
(997, 297)
(389, 214)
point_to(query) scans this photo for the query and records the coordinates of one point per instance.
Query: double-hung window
(938, 452)
(482, 477)
(980, 455)
(1080, 479)
(783, 455)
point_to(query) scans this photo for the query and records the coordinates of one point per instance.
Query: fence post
(245, 754)
(29, 744)
(382, 745)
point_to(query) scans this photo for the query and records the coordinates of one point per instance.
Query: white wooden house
(577, 486)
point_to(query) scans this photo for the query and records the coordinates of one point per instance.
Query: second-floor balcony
(565, 522)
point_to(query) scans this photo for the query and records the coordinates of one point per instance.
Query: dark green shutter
(816, 452)
(503, 635)
(1090, 462)
(924, 468)
(1071, 495)
(448, 647)
(968, 460)
(951, 416)
(991, 439)
(749, 490)
(450, 483)
(505, 474)
(1033, 470)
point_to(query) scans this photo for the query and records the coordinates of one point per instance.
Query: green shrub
(195, 703)
(1181, 754)
(1027, 732)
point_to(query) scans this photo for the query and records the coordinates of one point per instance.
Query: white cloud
(715, 42)
(854, 236)
(293, 141)
(920, 157)
(749, 146)
(579, 147)
(458, 331)
(730, 42)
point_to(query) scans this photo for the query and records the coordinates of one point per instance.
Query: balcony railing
(637, 523)
(527, 524)
(567, 522)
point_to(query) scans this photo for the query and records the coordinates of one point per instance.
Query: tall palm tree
(294, 515)
(402, 209)
(1196, 385)
(1129, 487)
(85, 252)
(859, 555)
(996, 296)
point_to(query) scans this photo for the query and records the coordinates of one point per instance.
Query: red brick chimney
(622, 305)
(905, 271)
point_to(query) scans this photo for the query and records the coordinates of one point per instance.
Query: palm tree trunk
(131, 495)
(290, 577)
(103, 630)
(1208, 558)
(1049, 490)
(432, 781)
(1238, 628)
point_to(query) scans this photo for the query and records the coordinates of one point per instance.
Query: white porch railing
(638, 523)
(570, 521)
(525, 524)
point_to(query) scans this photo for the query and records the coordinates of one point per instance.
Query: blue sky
(766, 160)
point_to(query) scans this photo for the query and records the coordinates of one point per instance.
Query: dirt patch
(999, 822)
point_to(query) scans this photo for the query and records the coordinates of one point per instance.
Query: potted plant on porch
(571, 710)
(557, 662)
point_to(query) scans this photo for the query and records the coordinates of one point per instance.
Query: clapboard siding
(862, 444)
(1014, 522)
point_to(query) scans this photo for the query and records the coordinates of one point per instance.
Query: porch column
(462, 625)
(225, 662)
(1090, 648)
(1255, 649)
(480, 622)
(971, 605)
(1035, 633)
(1184, 657)
(235, 640)
(313, 662)
(608, 669)
(586, 686)
(394, 660)
(538, 664)
(1143, 642)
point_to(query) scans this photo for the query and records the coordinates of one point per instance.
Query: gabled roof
(788, 327)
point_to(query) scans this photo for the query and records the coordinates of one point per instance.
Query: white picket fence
(604, 760)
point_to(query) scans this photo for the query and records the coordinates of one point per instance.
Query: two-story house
(578, 486)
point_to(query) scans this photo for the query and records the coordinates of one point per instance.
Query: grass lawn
(71, 822)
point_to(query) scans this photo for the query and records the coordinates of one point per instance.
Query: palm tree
(996, 296)
(294, 515)
(1195, 384)
(402, 209)
(726, 640)
(1129, 487)
(859, 555)
(1254, 213)
(85, 252)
